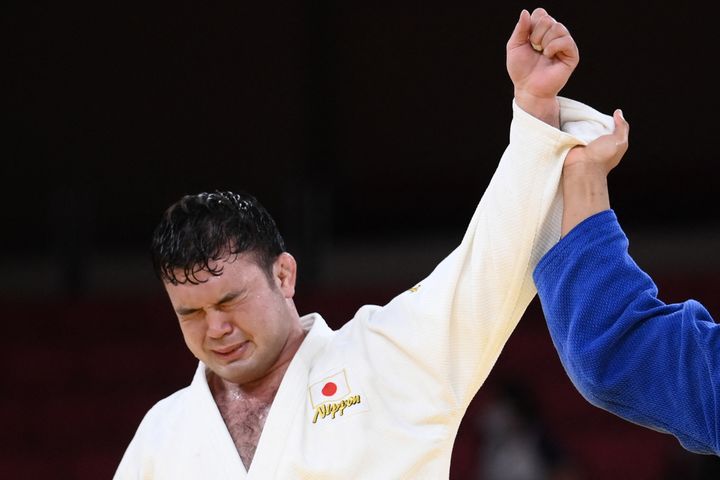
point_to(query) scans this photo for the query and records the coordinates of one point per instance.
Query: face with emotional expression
(242, 324)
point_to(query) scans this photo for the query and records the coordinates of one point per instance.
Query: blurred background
(370, 132)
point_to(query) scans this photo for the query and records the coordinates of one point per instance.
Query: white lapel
(220, 458)
(289, 401)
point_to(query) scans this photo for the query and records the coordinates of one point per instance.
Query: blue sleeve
(626, 351)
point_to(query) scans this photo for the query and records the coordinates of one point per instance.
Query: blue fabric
(654, 364)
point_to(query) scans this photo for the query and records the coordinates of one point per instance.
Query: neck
(264, 388)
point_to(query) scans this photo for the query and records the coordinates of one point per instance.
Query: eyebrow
(228, 297)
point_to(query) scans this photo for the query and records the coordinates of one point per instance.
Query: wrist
(585, 193)
(546, 109)
(584, 171)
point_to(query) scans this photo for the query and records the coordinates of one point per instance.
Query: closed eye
(229, 298)
(186, 312)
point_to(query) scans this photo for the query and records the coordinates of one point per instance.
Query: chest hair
(245, 419)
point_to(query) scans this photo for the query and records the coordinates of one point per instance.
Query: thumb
(521, 33)
(622, 128)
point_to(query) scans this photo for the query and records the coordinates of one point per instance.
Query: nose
(219, 324)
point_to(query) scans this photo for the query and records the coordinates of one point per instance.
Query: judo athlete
(279, 395)
(625, 350)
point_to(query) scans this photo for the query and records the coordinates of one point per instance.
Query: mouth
(231, 352)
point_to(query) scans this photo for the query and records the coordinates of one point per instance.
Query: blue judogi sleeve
(626, 351)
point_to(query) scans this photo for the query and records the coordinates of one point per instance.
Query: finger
(620, 118)
(537, 13)
(540, 26)
(519, 36)
(564, 47)
(622, 128)
(557, 30)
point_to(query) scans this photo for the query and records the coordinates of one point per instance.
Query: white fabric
(411, 367)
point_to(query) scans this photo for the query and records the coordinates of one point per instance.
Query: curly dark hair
(198, 230)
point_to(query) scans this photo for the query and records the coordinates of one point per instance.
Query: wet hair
(199, 230)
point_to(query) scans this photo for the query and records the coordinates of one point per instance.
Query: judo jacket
(383, 396)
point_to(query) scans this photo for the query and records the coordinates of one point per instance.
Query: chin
(238, 377)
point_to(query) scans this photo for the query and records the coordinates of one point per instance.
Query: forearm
(585, 193)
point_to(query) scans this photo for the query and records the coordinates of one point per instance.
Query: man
(624, 349)
(277, 395)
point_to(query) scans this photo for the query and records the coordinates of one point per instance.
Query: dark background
(345, 120)
(357, 125)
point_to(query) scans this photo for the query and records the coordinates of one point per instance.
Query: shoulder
(172, 403)
(154, 434)
(163, 416)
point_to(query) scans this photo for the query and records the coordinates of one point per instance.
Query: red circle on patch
(329, 389)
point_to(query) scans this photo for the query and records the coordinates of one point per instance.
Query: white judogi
(383, 397)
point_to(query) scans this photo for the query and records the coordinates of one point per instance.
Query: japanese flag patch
(332, 395)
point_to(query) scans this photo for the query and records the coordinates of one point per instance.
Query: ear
(285, 274)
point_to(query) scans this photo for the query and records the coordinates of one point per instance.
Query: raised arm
(454, 324)
(624, 349)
